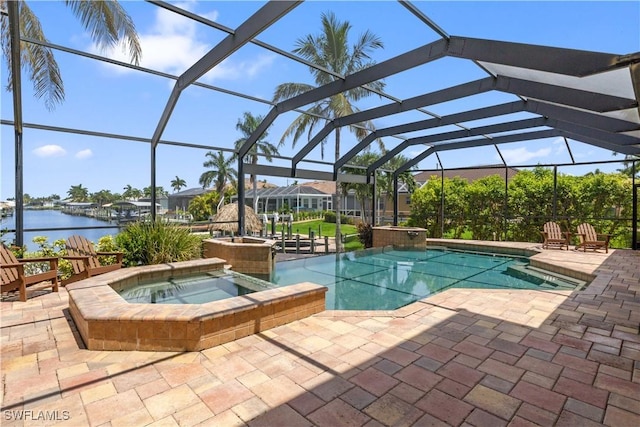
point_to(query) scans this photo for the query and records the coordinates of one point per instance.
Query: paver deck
(462, 357)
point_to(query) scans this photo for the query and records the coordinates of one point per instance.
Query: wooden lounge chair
(14, 277)
(554, 237)
(84, 259)
(589, 239)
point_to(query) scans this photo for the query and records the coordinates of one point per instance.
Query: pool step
(544, 278)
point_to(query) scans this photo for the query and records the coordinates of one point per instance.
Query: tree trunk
(255, 193)
(254, 183)
(338, 199)
(363, 209)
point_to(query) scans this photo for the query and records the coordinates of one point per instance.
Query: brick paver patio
(462, 357)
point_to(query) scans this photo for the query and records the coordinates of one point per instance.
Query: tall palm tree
(247, 125)
(178, 183)
(330, 49)
(78, 193)
(221, 173)
(107, 22)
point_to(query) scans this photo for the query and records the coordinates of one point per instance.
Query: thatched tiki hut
(227, 219)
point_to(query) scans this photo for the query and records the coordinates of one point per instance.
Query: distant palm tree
(102, 197)
(178, 183)
(131, 193)
(78, 193)
(107, 22)
(627, 165)
(222, 172)
(330, 49)
(247, 125)
(160, 191)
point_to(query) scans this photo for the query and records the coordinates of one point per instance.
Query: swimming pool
(374, 279)
(193, 289)
(378, 279)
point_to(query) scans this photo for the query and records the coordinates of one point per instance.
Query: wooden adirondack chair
(84, 259)
(554, 237)
(13, 276)
(589, 239)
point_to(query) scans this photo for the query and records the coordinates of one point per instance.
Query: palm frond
(108, 23)
(367, 42)
(296, 128)
(289, 90)
(37, 60)
(207, 178)
(212, 159)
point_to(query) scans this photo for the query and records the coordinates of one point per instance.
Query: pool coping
(107, 322)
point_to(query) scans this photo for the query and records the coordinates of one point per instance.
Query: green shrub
(331, 217)
(365, 234)
(145, 243)
(45, 249)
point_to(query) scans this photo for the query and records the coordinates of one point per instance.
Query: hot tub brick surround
(400, 237)
(107, 322)
(244, 254)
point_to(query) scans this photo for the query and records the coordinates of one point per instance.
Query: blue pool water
(386, 280)
(193, 289)
(366, 280)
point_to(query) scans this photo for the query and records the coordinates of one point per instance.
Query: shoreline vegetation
(67, 224)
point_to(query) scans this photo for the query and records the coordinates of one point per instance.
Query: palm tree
(107, 22)
(627, 165)
(102, 197)
(222, 172)
(247, 125)
(178, 183)
(330, 49)
(78, 193)
(386, 180)
(131, 193)
(160, 191)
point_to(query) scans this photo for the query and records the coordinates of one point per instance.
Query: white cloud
(560, 147)
(50, 151)
(584, 155)
(230, 70)
(172, 45)
(84, 154)
(522, 154)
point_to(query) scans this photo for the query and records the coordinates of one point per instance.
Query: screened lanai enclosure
(450, 102)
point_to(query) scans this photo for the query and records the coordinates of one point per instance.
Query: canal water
(54, 219)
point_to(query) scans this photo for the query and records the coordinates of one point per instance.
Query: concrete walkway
(462, 357)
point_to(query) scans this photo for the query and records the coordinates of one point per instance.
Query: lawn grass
(326, 228)
(353, 244)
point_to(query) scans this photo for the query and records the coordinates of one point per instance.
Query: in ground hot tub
(198, 288)
(107, 322)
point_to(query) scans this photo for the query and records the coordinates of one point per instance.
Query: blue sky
(106, 98)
